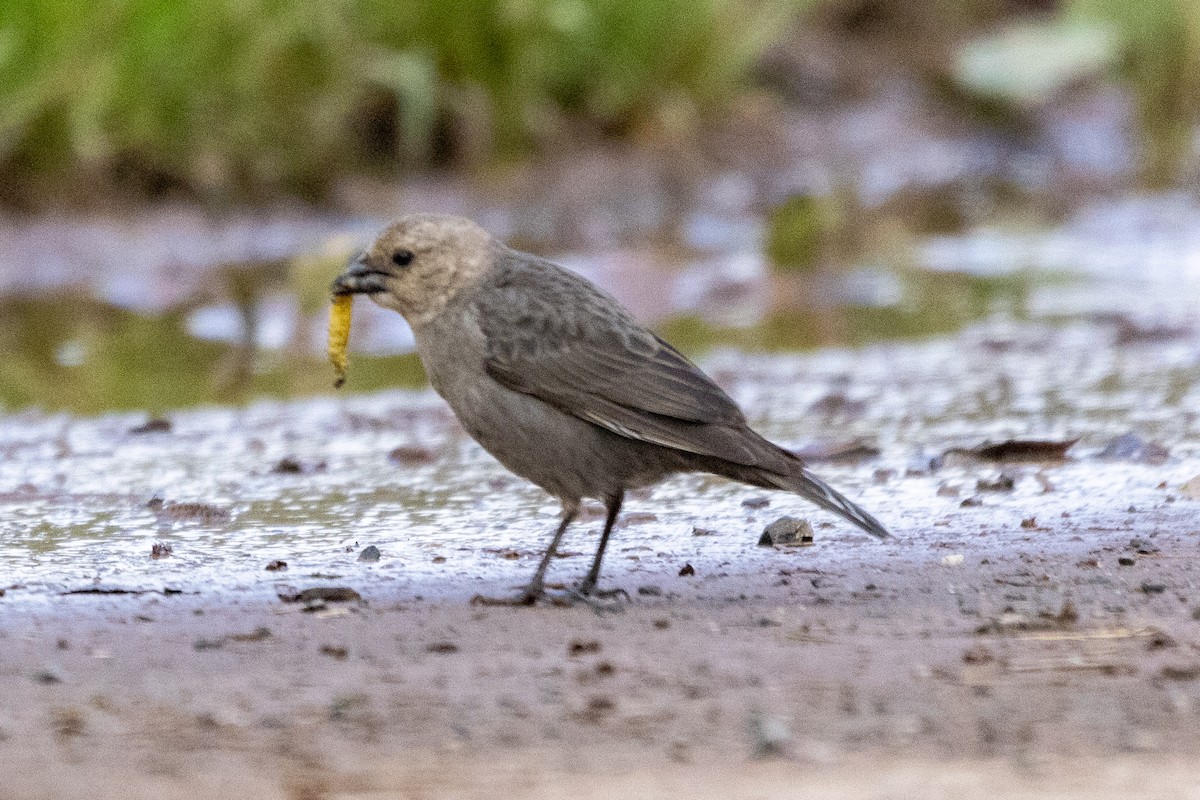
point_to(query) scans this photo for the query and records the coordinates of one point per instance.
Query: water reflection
(256, 328)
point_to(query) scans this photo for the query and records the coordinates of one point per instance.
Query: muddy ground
(1031, 632)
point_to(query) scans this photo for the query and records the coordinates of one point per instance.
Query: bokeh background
(179, 181)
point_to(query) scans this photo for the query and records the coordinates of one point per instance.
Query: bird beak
(360, 277)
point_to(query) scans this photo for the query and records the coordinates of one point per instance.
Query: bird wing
(552, 335)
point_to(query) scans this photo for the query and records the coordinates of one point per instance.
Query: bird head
(418, 264)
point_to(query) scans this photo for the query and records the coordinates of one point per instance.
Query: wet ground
(1030, 632)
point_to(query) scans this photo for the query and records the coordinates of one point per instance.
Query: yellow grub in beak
(339, 336)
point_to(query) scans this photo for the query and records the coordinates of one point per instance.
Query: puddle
(259, 329)
(78, 354)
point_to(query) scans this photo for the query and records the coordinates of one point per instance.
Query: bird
(558, 381)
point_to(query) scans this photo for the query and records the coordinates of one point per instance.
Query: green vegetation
(799, 232)
(238, 99)
(234, 97)
(1035, 60)
(1161, 40)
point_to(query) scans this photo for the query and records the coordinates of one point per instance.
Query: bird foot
(605, 601)
(602, 594)
(602, 602)
(528, 597)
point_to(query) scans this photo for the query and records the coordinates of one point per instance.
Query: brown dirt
(1050, 670)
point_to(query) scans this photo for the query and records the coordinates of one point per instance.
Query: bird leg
(537, 586)
(613, 503)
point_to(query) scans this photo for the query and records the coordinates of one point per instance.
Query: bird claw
(604, 594)
(525, 598)
(594, 600)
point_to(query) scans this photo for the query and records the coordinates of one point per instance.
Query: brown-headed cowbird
(558, 382)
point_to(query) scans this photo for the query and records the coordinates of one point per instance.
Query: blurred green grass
(1161, 44)
(247, 99)
(242, 97)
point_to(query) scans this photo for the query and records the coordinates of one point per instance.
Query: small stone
(1067, 615)
(277, 566)
(1001, 483)
(152, 425)
(49, 675)
(1181, 672)
(971, 502)
(1161, 641)
(597, 709)
(411, 456)
(770, 735)
(579, 647)
(978, 655)
(369, 553)
(1126, 561)
(1153, 588)
(787, 532)
(686, 571)
(68, 722)
(288, 466)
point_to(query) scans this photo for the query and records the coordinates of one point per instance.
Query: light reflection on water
(1137, 256)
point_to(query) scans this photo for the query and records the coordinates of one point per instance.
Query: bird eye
(402, 258)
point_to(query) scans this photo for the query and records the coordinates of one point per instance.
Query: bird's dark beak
(360, 277)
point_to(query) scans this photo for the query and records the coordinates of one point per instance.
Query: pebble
(787, 532)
